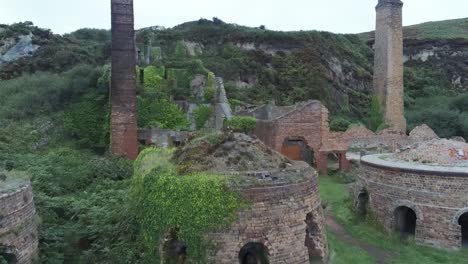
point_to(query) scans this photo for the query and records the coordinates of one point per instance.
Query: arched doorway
(362, 203)
(312, 239)
(463, 222)
(7, 255)
(405, 221)
(296, 148)
(253, 253)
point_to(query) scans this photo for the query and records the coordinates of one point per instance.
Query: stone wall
(437, 197)
(287, 219)
(18, 230)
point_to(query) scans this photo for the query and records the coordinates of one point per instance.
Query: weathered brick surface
(123, 83)
(388, 62)
(276, 218)
(18, 229)
(438, 201)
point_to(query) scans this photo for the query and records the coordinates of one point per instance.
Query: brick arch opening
(405, 221)
(463, 222)
(253, 253)
(297, 148)
(362, 203)
(173, 249)
(7, 254)
(311, 239)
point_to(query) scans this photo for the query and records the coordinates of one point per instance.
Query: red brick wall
(123, 84)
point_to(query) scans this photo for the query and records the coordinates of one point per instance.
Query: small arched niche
(463, 222)
(362, 203)
(405, 221)
(253, 253)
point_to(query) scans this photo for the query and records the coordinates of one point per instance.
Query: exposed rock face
(193, 48)
(197, 86)
(388, 62)
(123, 83)
(12, 50)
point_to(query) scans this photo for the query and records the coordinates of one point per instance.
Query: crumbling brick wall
(18, 230)
(438, 198)
(285, 218)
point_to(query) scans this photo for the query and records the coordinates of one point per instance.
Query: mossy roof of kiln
(229, 152)
(14, 181)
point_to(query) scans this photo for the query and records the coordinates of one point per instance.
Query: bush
(202, 114)
(339, 124)
(210, 87)
(32, 95)
(376, 119)
(161, 113)
(245, 124)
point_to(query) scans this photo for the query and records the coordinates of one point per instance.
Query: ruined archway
(297, 148)
(253, 253)
(362, 203)
(7, 254)
(312, 239)
(405, 221)
(463, 222)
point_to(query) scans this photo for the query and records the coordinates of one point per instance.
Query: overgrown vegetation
(245, 124)
(189, 206)
(202, 115)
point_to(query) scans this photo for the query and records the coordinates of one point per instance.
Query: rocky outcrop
(13, 49)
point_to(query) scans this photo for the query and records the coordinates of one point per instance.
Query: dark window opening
(405, 221)
(463, 222)
(253, 253)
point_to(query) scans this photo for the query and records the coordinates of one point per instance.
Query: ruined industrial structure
(18, 225)
(419, 192)
(388, 62)
(123, 82)
(284, 222)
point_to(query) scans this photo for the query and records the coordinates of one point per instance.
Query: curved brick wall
(436, 194)
(277, 219)
(18, 229)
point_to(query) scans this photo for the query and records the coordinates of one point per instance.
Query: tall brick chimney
(388, 62)
(123, 84)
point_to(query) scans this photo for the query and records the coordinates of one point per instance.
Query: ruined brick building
(419, 192)
(18, 230)
(284, 222)
(299, 132)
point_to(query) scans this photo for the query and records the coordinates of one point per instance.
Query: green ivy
(376, 119)
(162, 113)
(202, 114)
(245, 124)
(193, 204)
(210, 87)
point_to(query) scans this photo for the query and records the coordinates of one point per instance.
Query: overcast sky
(340, 16)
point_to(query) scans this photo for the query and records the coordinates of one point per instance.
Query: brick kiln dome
(230, 152)
(437, 152)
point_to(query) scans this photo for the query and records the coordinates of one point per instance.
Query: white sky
(340, 16)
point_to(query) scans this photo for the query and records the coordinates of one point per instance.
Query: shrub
(376, 119)
(339, 124)
(162, 112)
(245, 124)
(202, 114)
(210, 87)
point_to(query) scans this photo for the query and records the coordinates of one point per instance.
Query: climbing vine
(192, 204)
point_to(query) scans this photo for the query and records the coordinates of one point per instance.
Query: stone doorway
(312, 239)
(405, 221)
(296, 148)
(253, 253)
(463, 222)
(7, 255)
(362, 203)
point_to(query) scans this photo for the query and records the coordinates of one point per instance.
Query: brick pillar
(388, 62)
(123, 83)
(345, 165)
(321, 161)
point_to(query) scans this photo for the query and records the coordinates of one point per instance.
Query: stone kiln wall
(276, 219)
(18, 229)
(438, 200)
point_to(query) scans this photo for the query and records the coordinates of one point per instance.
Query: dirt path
(381, 256)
